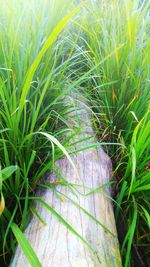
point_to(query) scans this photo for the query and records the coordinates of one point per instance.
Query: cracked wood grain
(54, 244)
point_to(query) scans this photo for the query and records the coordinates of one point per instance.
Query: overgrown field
(48, 50)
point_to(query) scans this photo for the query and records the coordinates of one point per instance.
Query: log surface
(54, 243)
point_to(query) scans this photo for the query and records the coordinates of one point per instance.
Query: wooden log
(54, 243)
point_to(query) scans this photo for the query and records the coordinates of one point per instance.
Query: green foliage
(25, 246)
(118, 90)
(104, 53)
(33, 113)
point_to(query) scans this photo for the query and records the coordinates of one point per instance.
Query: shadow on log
(54, 243)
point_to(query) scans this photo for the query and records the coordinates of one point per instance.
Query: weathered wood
(57, 246)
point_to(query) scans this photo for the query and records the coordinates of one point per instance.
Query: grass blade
(8, 171)
(25, 246)
(63, 221)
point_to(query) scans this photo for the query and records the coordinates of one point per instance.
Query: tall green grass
(114, 48)
(104, 53)
(33, 112)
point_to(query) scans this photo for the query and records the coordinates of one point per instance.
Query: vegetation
(114, 51)
(115, 45)
(32, 107)
(104, 53)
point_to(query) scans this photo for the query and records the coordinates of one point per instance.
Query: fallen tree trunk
(78, 204)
